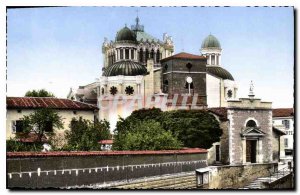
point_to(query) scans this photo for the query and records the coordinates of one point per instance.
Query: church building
(139, 68)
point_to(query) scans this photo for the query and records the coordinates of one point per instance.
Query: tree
(84, 135)
(41, 121)
(194, 128)
(39, 93)
(145, 135)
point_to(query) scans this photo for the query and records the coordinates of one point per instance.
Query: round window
(113, 90)
(129, 90)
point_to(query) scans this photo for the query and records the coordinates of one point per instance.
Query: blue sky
(59, 48)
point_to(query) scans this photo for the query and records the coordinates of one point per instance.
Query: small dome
(125, 34)
(219, 72)
(126, 68)
(211, 42)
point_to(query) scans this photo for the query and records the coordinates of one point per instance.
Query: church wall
(213, 91)
(157, 81)
(238, 118)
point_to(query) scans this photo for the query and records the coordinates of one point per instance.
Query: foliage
(145, 135)
(84, 135)
(39, 93)
(40, 121)
(13, 145)
(194, 128)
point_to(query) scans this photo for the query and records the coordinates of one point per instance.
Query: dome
(219, 72)
(126, 68)
(211, 41)
(125, 34)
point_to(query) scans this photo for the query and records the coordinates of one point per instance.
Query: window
(286, 142)
(121, 54)
(126, 53)
(229, 93)
(286, 123)
(147, 55)
(17, 126)
(166, 86)
(141, 55)
(157, 55)
(113, 90)
(129, 90)
(102, 91)
(152, 54)
(132, 54)
(49, 126)
(251, 123)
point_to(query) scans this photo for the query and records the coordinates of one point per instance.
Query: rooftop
(283, 112)
(184, 55)
(46, 102)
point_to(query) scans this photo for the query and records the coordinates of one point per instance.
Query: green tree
(84, 135)
(39, 93)
(145, 135)
(41, 121)
(194, 128)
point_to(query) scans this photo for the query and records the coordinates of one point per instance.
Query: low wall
(65, 169)
(237, 176)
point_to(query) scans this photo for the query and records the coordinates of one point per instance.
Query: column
(209, 59)
(118, 53)
(116, 56)
(154, 57)
(129, 50)
(243, 150)
(124, 57)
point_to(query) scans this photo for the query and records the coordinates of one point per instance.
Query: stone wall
(63, 169)
(238, 176)
(286, 182)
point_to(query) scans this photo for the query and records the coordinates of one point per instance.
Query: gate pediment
(252, 132)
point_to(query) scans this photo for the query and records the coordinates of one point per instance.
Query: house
(283, 119)
(18, 107)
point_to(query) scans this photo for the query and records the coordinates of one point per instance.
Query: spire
(137, 26)
(251, 91)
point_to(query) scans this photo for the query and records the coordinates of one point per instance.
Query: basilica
(138, 66)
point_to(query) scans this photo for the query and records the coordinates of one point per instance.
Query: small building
(283, 119)
(18, 107)
(248, 133)
(106, 144)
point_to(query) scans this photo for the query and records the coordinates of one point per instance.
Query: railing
(280, 173)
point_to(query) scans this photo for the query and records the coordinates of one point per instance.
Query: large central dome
(211, 42)
(126, 68)
(125, 34)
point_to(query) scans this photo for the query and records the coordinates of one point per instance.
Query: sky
(59, 48)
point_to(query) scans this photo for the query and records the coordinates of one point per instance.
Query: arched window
(157, 56)
(166, 86)
(146, 55)
(121, 54)
(141, 55)
(251, 123)
(126, 54)
(132, 54)
(152, 54)
(102, 91)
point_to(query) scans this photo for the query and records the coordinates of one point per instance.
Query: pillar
(129, 50)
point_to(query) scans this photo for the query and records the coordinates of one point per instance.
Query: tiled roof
(219, 111)
(283, 112)
(46, 102)
(105, 153)
(184, 55)
(108, 141)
